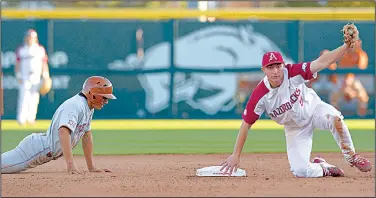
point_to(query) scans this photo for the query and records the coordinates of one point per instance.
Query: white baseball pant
(31, 151)
(28, 101)
(299, 140)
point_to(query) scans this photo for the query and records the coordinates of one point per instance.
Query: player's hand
(350, 35)
(72, 169)
(19, 81)
(231, 164)
(99, 170)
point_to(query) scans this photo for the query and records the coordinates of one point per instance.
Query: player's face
(274, 73)
(30, 40)
(99, 102)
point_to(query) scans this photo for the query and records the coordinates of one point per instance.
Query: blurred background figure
(350, 94)
(347, 95)
(356, 58)
(30, 66)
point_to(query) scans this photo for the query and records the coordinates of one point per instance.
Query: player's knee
(335, 123)
(9, 170)
(338, 124)
(299, 172)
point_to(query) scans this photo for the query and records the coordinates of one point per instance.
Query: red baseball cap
(270, 58)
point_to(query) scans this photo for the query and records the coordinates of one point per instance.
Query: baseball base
(214, 171)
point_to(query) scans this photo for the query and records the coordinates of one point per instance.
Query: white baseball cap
(31, 33)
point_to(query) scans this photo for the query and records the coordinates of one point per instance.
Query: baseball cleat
(361, 163)
(318, 160)
(328, 169)
(332, 171)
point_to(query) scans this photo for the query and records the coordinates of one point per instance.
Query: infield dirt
(174, 175)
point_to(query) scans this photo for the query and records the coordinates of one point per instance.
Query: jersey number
(301, 101)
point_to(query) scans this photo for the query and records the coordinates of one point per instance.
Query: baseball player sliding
(283, 95)
(31, 65)
(70, 123)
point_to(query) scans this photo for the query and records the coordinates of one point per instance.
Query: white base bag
(213, 171)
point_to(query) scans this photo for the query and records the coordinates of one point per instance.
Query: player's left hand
(99, 170)
(350, 35)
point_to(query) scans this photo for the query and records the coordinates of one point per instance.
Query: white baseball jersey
(31, 59)
(291, 104)
(75, 114)
(39, 148)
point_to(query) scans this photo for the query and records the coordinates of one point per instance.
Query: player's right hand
(231, 164)
(72, 169)
(19, 81)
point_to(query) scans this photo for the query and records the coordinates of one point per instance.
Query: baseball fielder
(283, 95)
(70, 123)
(31, 64)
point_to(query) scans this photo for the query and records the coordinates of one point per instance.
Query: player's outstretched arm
(65, 141)
(45, 70)
(351, 38)
(87, 147)
(325, 60)
(232, 162)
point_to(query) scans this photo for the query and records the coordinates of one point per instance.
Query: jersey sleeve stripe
(249, 115)
(302, 69)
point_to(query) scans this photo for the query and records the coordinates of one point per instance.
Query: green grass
(122, 142)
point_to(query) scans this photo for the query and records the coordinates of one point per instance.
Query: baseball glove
(46, 86)
(350, 35)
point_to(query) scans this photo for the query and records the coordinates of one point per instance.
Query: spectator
(350, 94)
(356, 58)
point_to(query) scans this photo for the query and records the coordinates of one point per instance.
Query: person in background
(348, 93)
(30, 66)
(356, 58)
(351, 93)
